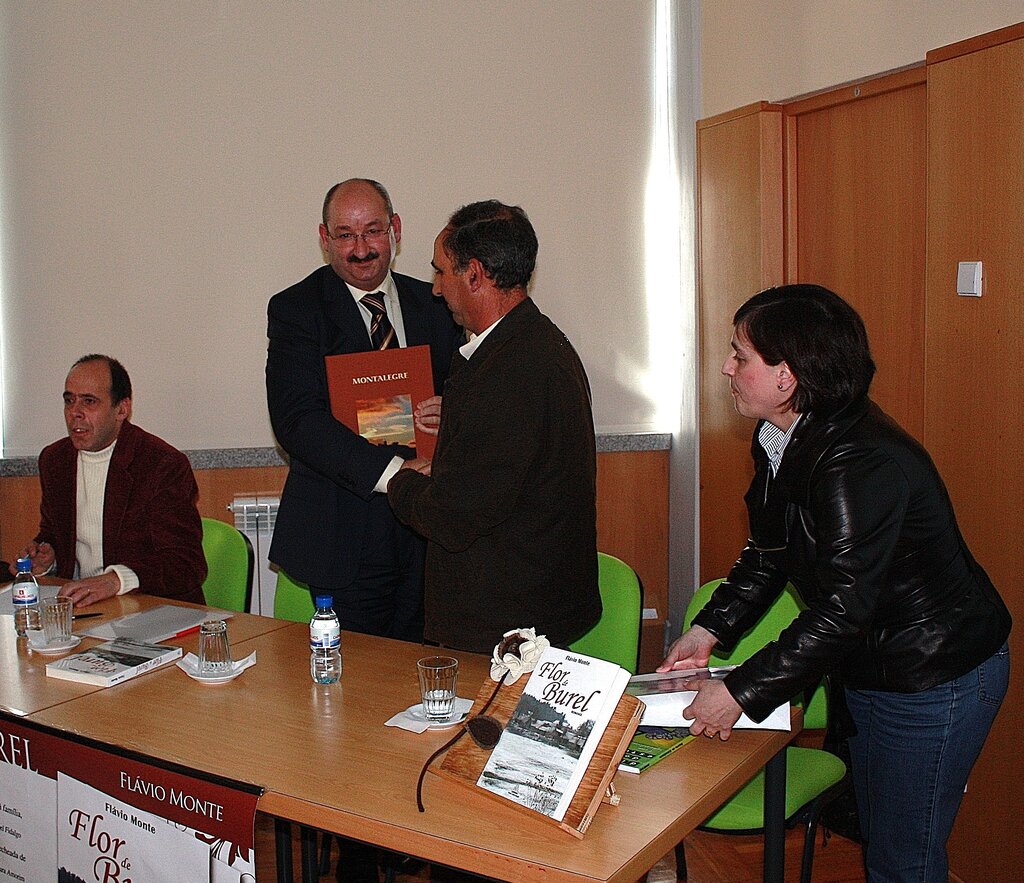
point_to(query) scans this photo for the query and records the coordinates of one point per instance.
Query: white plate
(212, 681)
(39, 646)
(190, 665)
(416, 713)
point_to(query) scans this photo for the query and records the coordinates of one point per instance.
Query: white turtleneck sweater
(92, 486)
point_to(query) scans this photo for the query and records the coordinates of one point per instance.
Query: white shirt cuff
(381, 487)
(129, 581)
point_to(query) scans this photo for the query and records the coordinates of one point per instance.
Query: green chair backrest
(616, 636)
(782, 612)
(229, 562)
(292, 599)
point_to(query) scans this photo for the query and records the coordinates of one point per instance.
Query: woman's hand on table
(84, 592)
(713, 711)
(692, 649)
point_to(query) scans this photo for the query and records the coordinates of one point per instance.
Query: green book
(651, 744)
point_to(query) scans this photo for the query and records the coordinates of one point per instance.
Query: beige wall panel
(739, 159)
(754, 50)
(196, 140)
(859, 202)
(973, 409)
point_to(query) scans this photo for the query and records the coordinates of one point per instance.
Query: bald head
(359, 232)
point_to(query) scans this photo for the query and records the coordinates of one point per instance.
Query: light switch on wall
(968, 278)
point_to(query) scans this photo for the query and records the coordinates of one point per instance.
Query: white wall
(162, 167)
(756, 50)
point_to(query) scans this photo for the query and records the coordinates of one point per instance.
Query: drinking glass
(439, 677)
(214, 650)
(56, 616)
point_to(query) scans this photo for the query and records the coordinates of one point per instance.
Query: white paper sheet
(666, 710)
(154, 625)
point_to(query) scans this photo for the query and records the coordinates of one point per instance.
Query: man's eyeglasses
(349, 238)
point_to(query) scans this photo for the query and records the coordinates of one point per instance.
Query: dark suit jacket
(509, 511)
(320, 525)
(150, 520)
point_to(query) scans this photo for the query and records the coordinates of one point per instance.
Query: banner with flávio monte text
(82, 814)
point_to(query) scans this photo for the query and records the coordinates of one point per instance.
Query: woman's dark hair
(819, 335)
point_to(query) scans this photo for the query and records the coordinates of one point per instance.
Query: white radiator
(255, 516)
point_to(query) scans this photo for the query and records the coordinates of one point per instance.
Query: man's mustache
(369, 256)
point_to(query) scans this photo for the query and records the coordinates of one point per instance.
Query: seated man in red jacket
(118, 508)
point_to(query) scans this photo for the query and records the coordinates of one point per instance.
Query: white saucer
(190, 665)
(213, 681)
(416, 713)
(39, 646)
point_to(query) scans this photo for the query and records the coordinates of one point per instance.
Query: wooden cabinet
(974, 428)
(856, 219)
(740, 217)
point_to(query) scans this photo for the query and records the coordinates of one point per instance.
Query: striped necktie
(382, 332)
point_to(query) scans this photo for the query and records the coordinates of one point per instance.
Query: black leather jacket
(859, 521)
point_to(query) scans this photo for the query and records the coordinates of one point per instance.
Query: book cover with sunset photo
(375, 393)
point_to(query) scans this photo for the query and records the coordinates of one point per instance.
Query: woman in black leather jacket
(850, 509)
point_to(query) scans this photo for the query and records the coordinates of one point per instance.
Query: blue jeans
(911, 757)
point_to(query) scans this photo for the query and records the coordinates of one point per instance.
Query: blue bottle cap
(324, 601)
(24, 565)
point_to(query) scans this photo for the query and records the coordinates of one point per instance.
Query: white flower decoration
(517, 653)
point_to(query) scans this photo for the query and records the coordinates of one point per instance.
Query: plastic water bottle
(324, 643)
(25, 595)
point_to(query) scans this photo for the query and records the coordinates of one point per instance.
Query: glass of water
(439, 676)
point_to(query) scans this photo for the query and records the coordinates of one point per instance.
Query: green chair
(813, 776)
(292, 599)
(616, 636)
(229, 563)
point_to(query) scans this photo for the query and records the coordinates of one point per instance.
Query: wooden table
(25, 689)
(326, 760)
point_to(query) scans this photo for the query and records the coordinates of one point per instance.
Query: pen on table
(182, 634)
(86, 615)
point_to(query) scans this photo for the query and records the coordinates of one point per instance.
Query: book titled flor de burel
(374, 394)
(113, 662)
(551, 736)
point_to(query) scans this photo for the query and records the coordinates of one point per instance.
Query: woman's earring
(780, 387)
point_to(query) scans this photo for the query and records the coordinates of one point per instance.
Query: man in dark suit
(335, 530)
(508, 503)
(118, 508)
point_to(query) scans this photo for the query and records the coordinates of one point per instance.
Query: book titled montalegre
(551, 736)
(113, 662)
